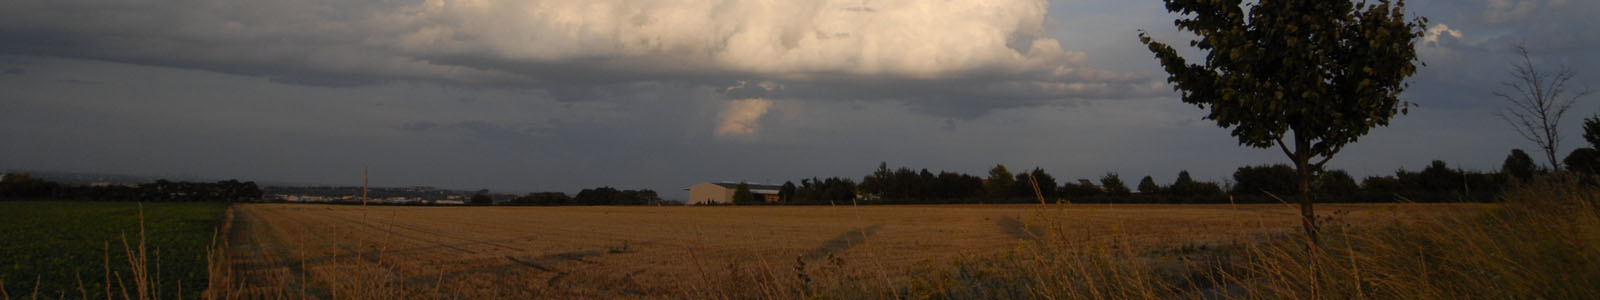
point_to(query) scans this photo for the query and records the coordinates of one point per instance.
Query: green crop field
(59, 244)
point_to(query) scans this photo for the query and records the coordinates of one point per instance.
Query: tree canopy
(1326, 71)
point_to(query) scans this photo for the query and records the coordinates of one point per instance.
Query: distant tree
(1278, 179)
(1536, 101)
(1519, 165)
(1383, 184)
(1587, 160)
(1583, 160)
(24, 185)
(742, 195)
(1182, 185)
(1000, 183)
(1326, 71)
(600, 196)
(786, 193)
(543, 198)
(647, 197)
(1440, 177)
(1024, 185)
(1083, 188)
(1186, 186)
(482, 198)
(1148, 186)
(1591, 131)
(1114, 186)
(1337, 183)
(877, 184)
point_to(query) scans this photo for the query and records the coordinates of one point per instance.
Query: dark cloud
(419, 126)
(344, 44)
(81, 82)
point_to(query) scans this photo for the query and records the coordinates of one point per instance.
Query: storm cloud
(978, 54)
(564, 95)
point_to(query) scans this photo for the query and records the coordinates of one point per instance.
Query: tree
(786, 193)
(23, 185)
(1186, 186)
(742, 195)
(1081, 189)
(1277, 180)
(1148, 186)
(1337, 183)
(1519, 165)
(999, 184)
(1114, 186)
(1023, 186)
(1535, 102)
(1439, 177)
(482, 198)
(1591, 131)
(1583, 160)
(1326, 71)
(1587, 160)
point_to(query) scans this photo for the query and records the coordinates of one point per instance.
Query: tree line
(595, 196)
(22, 186)
(1275, 183)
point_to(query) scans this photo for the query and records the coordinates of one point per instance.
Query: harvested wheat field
(340, 251)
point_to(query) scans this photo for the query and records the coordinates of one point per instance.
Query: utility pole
(363, 184)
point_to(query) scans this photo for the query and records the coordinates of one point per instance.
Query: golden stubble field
(342, 251)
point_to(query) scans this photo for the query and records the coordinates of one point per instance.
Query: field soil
(646, 252)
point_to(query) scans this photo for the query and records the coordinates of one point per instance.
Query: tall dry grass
(1542, 243)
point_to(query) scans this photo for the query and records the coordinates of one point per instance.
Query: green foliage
(1586, 160)
(1518, 164)
(828, 190)
(1439, 176)
(482, 197)
(1591, 131)
(1328, 71)
(742, 195)
(903, 184)
(1113, 185)
(611, 196)
(23, 185)
(59, 241)
(1337, 183)
(1188, 187)
(543, 198)
(1023, 188)
(1583, 160)
(786, 193)
(1276, 179)
(999, 183)
(1148, 186)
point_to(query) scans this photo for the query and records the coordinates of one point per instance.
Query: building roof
(754, 187)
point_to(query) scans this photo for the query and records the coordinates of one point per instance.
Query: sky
(561, 95)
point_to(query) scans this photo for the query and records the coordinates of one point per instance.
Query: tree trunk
(1308, 217)
(1550, 153)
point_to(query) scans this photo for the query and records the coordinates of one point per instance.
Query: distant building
(722, 192)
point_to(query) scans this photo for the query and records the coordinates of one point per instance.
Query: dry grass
(982, 251)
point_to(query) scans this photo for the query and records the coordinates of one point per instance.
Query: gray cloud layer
(979, 54)
(476, 94)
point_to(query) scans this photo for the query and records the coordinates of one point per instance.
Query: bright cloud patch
(742, 117)
(1440, 29)
(956, 51)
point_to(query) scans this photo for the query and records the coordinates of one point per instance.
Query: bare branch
(1537, 101)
